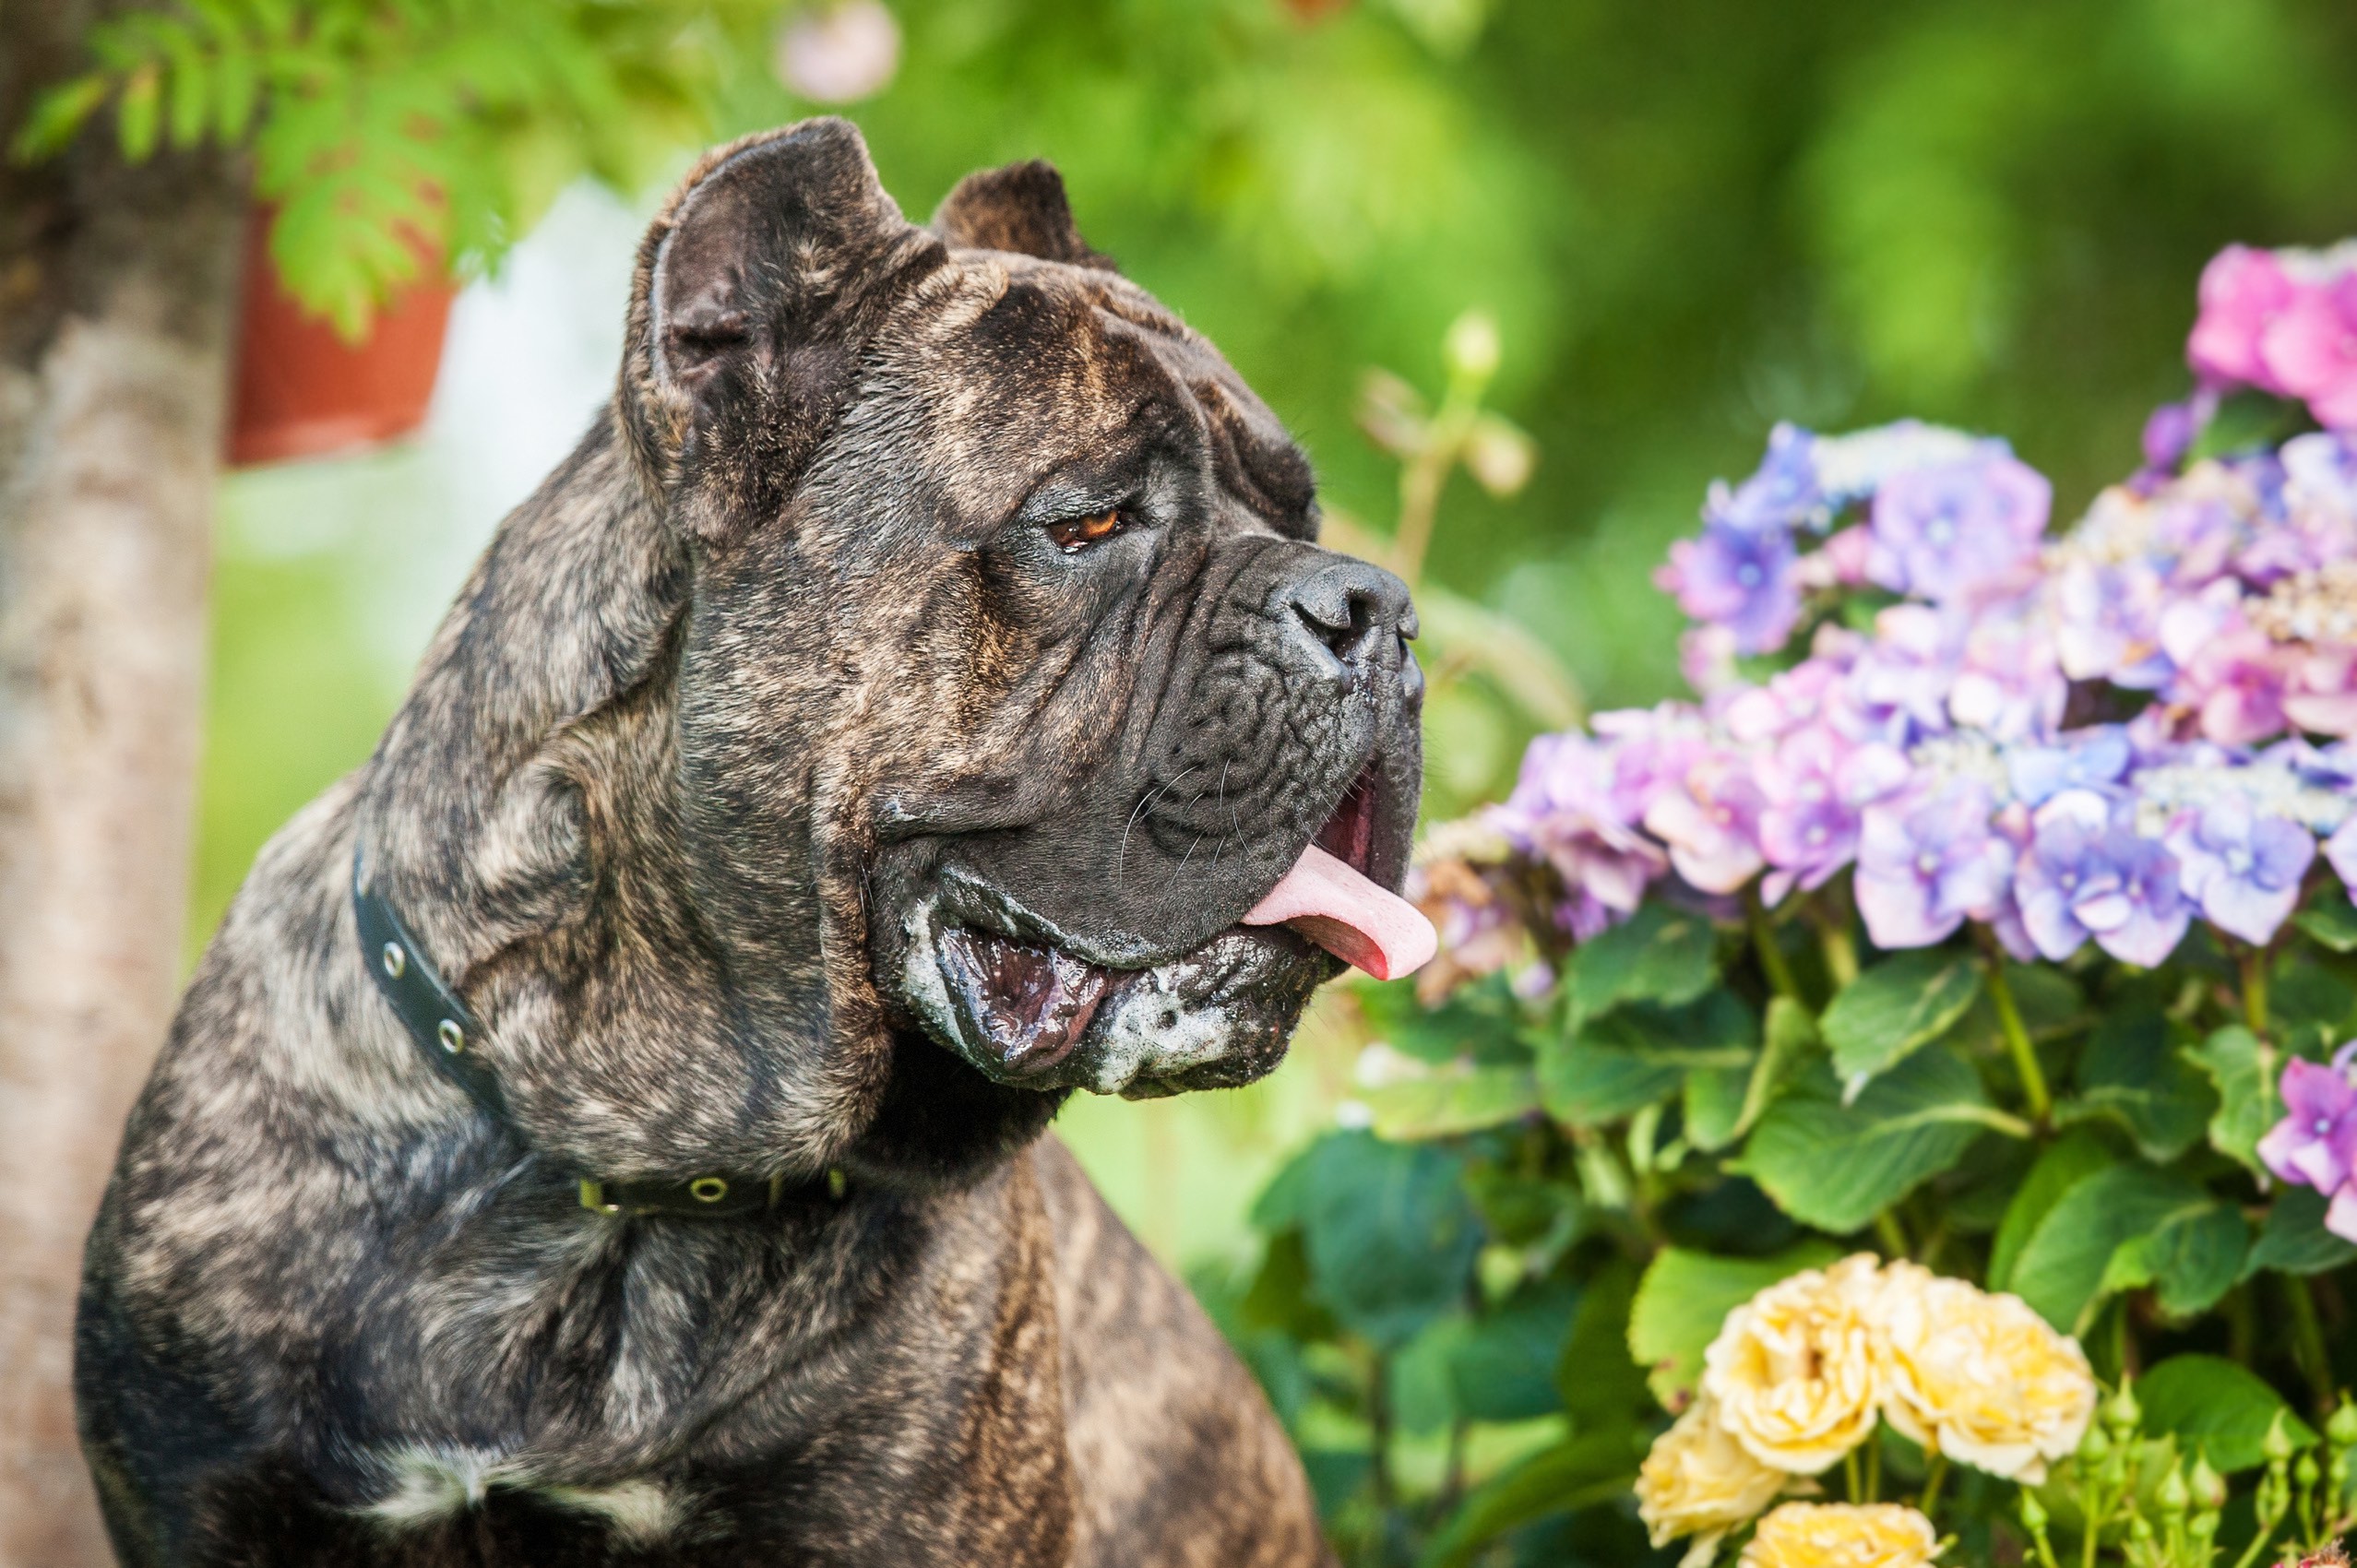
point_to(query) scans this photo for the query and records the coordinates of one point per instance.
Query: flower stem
(1850, 1474)
(2308, 1341)
(2018, 1043)
(1934, 1472)
(2254, 965)
(1832, 923)
(1873, 1467)
(1772, 962)
(1891, 1234)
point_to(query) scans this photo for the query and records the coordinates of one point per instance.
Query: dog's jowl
(607, 1127)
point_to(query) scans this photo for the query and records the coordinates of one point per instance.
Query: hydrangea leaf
(1638, 1055)
(1896, 1008)
(1387, 1231)
(2295, 1241)
(1479, 1023)
(1834, 1166)
(2063, 1165)
(1790, 1036)
(2243, 1070)
(1578, 1472)
(1502, 1368)
(2216, 1408)
(2130, 1075)
(1659, 954)
(1683, 1299)
(1714, 1105)
(1587, 1086)
(1455, 1098)
(1596, 1379)
(2065, 1269)
(2190, 1259)
(2332, 923)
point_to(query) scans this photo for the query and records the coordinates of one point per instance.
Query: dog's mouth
(1026, 1010)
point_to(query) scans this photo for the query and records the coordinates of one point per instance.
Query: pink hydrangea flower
(2321, 693)
(2316, 1144)
(2309, 347)
(1815, 786)
(1928, 861)
(2242, 289)
(1711, 822)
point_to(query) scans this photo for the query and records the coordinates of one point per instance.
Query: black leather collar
(447, 1035)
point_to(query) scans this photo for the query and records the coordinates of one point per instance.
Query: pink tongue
(1360, 923)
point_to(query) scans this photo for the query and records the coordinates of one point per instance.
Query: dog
(607, 1127)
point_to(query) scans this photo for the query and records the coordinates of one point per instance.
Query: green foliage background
(1691, 219)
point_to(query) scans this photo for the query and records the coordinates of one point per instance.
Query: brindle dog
(874, 729)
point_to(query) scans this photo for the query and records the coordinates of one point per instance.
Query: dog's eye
(1075, 534)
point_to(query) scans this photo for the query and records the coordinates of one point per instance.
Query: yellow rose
(1842, 1535)
(1981, 1377)
(1793, 1372)
(1699, 1482)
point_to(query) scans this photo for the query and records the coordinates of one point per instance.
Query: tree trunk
(116, 291)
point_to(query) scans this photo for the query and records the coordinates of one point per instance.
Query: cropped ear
(758, 286)
(1020, 209)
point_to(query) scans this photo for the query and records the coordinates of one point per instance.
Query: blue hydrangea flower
(1961, 531)
(1739, 578)
(2087, 873)
(1927, 862)
(2093, 759)
(2243, 867)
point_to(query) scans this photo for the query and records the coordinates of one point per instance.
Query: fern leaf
(57, 116)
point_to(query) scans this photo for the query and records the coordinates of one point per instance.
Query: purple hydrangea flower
(1815, 785)
(1781, 495)
(1958, 531)
(2170, 433)
(2108, 624)
(1711, 824)
(2084, 759)
(2086, 873)
(1900, 685)
(2241, 867)
(1926, 861)
(1739, 578)
(2316, 1144)
(2340, 851)
(1565, 809)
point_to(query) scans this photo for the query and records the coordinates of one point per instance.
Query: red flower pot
(302, 391)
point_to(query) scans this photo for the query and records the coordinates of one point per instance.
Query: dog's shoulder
(1177, 1457)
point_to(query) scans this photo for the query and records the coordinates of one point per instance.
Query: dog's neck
(523, 814)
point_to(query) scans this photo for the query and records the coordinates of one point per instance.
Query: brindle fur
(700, 681)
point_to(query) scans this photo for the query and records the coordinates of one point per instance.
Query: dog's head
(1009, 648)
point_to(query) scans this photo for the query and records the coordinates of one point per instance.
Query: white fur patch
(435, 1483)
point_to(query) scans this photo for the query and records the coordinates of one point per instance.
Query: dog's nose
(1354, 613)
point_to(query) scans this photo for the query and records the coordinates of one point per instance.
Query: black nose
(1354, 614)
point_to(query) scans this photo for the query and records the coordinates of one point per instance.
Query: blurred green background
(1690, 218)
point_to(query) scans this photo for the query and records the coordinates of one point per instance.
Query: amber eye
(1078, 533)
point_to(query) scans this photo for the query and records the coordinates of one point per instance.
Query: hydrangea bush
(1990, 905)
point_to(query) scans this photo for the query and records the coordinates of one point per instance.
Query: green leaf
(1388, 1234)
(2130, 1075)
(1457, 1099)
(1896, 1008)
(2332, 923)
(1503, 1366)
(57, 116)
(2050, 1001)
(2062, 1166)
(1835, 1166)
(1658, 954)
(1597, 1380)
(2216, 1408)
(1577, 1473)
(1479, 1023)
(2063, 1271)
(1637, 1055)
(1686, 1296)
(1792, 1038)
(2295, 1241)
(2190, 1259)
(2243, 1070)
(1586, 1085)
(138, 115)
(1714, 1106)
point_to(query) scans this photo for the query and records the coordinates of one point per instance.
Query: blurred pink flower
(2310, 348)
(2322, 694)
(2242, 289)
(838, 53)
(1712, 824)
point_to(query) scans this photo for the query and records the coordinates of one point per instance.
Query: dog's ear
(758, 286)
(1020, 209)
